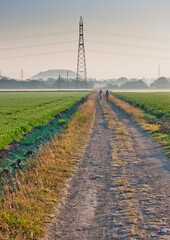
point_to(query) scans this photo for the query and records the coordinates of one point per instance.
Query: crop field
(155, 104)
(21, 112)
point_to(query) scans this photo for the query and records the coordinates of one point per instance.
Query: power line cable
(36, 45)
(88, 31)
(127, 54)
(88, 50)
(38, 54)
(87, 41)
(86, 17)
(128, 45)
(36, 21)
(127, 21)
(38, 35)
(128, 36)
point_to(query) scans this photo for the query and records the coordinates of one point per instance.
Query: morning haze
(122, 38)
(84, 119)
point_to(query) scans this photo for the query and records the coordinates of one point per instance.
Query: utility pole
(22, 74)
(81, 61)
(67, 78)
(159, 70)
(59, 82)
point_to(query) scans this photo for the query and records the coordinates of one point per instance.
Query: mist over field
(84, 119)
(122, 38)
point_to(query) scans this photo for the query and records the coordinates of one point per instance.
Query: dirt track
(97, 207)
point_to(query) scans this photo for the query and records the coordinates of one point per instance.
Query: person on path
(100, 94)
(107, 95)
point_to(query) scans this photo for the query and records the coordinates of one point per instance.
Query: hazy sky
(122, 37)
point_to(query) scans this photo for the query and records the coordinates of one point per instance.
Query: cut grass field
(25, 206)
(150, 110)
(21, 112)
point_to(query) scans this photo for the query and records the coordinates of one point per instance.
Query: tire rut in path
(87, 211)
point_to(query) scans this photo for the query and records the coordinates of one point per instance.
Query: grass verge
(158, 129)
(25, 207)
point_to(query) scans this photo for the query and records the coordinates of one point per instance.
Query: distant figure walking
(100, 94)
(107, 95)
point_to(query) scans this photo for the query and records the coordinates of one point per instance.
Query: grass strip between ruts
(26, 206)
(126, 216)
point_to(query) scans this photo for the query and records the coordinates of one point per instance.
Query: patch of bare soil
(121, 188)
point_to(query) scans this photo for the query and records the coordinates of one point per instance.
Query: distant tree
(6, 83)
(133, 80)
(140, 84)
(161, 83)
(14, 84)
(111, 86)
(121, 80)
(33, 84)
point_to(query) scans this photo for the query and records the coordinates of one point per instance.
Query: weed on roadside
(25, 207)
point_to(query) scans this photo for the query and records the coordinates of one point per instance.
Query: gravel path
(87, 209)
(91, 208)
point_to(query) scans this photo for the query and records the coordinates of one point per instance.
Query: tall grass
(25, 207)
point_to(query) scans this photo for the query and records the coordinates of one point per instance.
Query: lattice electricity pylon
(81, 61)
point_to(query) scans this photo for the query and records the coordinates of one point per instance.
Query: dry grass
(25, 207)
(129, 109)
(125, 194)
(110, 116)
(113, 121)
(156, 128)
(135, 224)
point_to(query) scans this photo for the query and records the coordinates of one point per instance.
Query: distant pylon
(22, 74)
(159, 70)
(81, 61)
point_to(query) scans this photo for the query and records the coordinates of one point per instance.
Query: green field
(155, 104)
(21, 112)
(156, 113)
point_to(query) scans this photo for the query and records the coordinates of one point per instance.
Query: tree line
(61, 83)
